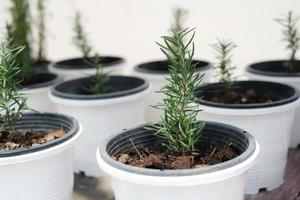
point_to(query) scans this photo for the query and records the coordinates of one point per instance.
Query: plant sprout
(223, 49)
(179, 126)
(18, 33)
(179, 15)
(41, 30)
(101, 78)
(80, 38)
(12, 101)
(291, 36)
(81, 41)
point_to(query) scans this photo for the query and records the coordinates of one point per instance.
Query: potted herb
(157, 71)
(36, 157)
(35, 82)
(179, 157)
(265, 109)
(285, 71)
(110, 102)
(81, 67)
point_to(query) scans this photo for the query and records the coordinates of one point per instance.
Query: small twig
(136, 149)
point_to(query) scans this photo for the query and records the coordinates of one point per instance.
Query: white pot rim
(99, 102)
(249, 111)
(210, 174)
(178, 180)
(42, 153)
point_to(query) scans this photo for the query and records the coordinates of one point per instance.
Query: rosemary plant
(101, 78)
(223, 49)
(179, 15)
(291, 36)
(81, 41)
(18, 33)
(179, 126)
(80, 38)
(12, 101)
(41, 31)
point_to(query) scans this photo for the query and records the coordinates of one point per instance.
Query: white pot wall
(42, 175)
(157, 81)
(69, 74)
(293, 81)
(38, 99)
(101, 118)
(271, 128)
(227, 184)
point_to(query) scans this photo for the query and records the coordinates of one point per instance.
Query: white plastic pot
(269, 124)
(37, 94)
(293, 80)
(68, 70)
(44, 172)
(101, 116)
(156, 73)
(223, 181)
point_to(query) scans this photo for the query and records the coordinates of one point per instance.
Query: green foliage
(179, 15)
(101, 78)
(12, 102)
(291, 35)
(18, 33)
(80, 38)
(41, 30)
(81, 41)
(223, 49)
(179, 124)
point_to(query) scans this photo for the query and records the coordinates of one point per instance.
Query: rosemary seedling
(179, 15)
(101, 78)
(179, 126)
(223, 49)
(81, 41)
(19, 33)
(41, 56)
(290, 36)
(80, 38)
(12, 101)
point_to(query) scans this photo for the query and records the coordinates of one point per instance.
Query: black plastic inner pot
(118, 85)
(216, 134)
(38, 80)
(162, 66)
(81, 63)
(275, 68)
(286, 93)
(44, 123)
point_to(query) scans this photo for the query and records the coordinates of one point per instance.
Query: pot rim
(283, 102)
(158, 72)
(180, 177)
(96, 97)
(251, 70)
(56, 79)
(72, 133)
(59, 66)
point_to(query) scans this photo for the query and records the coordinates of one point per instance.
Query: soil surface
(166, 159)
(26, 139)
(248, 97)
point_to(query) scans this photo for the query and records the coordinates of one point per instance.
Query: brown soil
(165, 159)
(26, 139)
(249, 97)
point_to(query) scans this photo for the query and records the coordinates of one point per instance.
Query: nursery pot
(79, 67)
(43, 171)
(216, 182)
(156, 73)
(36, 90)
(100, 114)
(275, 71)
(270, 123)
